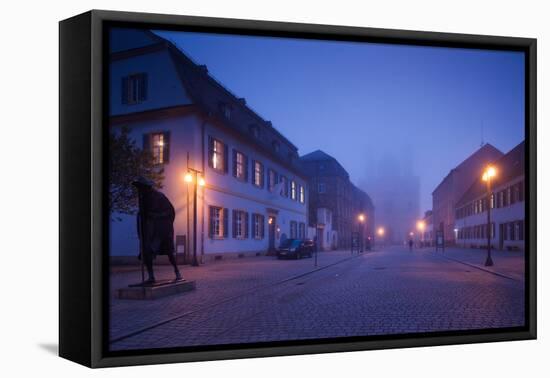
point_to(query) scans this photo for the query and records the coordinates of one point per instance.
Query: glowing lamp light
(361, 218)
(489, 173)
(381, 231)
(411, 234)
(201, 181)
(188, 178)
(421, 225)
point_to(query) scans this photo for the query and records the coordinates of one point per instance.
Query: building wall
(222, 189)
(451, 189)
(509, 216)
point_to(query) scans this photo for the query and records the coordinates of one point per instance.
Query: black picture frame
(82, 228)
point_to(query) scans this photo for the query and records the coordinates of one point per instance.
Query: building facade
(254, 193)
(331, 189)
(451, 189)
(507, 203)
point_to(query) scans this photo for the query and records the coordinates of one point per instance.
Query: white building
(254, 193)
(507, 206)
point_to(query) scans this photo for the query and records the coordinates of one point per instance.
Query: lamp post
(361, 218)
(381, 233)
(421, 225)
(192, 177)
(489, 173)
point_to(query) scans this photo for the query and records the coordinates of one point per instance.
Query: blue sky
(424, 107)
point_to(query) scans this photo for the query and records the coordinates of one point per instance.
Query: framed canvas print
(234, 188)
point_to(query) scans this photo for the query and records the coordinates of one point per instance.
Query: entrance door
(271, 221)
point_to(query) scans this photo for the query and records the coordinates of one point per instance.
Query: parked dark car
(296, 248)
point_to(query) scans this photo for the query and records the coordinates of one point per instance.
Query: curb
(477, 267)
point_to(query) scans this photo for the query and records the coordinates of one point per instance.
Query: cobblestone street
(263, 299)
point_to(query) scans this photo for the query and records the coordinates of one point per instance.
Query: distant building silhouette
(330, 188)
(395, 191)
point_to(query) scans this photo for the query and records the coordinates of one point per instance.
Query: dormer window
(254, 131)
(225, 109)
(134, 88)
(276, 146)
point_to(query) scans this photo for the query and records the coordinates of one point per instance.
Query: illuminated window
(302, 194)
(158, 145)
(218, 222)
(258, 174)
(293, 194)
(240, 165)
(134, 88)
(217, 155)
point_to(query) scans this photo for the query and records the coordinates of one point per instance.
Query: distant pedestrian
(410, 245)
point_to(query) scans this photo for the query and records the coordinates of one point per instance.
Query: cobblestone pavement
(387, 292)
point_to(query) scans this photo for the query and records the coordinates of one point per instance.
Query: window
(293, 230)
(217, 155)
(218, 222)
(255, 131)
(258, 226)
(322, 188)
(508, 196)
(511, 231)
(302, 230)
(258, 174)
(240, 224)
(302, 194)
(284, 186)
(293, 194)
(504, 228)
(158, 144)
(271, 179)
(225, 110)
(276, 146)
(240, 165)
(134, 88)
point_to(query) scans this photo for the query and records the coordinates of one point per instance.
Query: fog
(381, 110)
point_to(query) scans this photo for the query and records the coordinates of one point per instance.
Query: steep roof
(210, 96)
(321, 156)
(508, 167)
(486, 148)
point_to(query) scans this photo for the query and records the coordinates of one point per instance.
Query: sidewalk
(215, 282)
(505, 263)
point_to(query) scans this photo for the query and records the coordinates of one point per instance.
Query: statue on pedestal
(155, 226)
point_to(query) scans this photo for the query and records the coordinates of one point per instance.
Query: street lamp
(361, 219)
(192, 177)
(488, 174)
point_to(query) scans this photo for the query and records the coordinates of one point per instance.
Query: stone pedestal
(157, 290)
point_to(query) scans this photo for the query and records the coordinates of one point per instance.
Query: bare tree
(126, 163)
